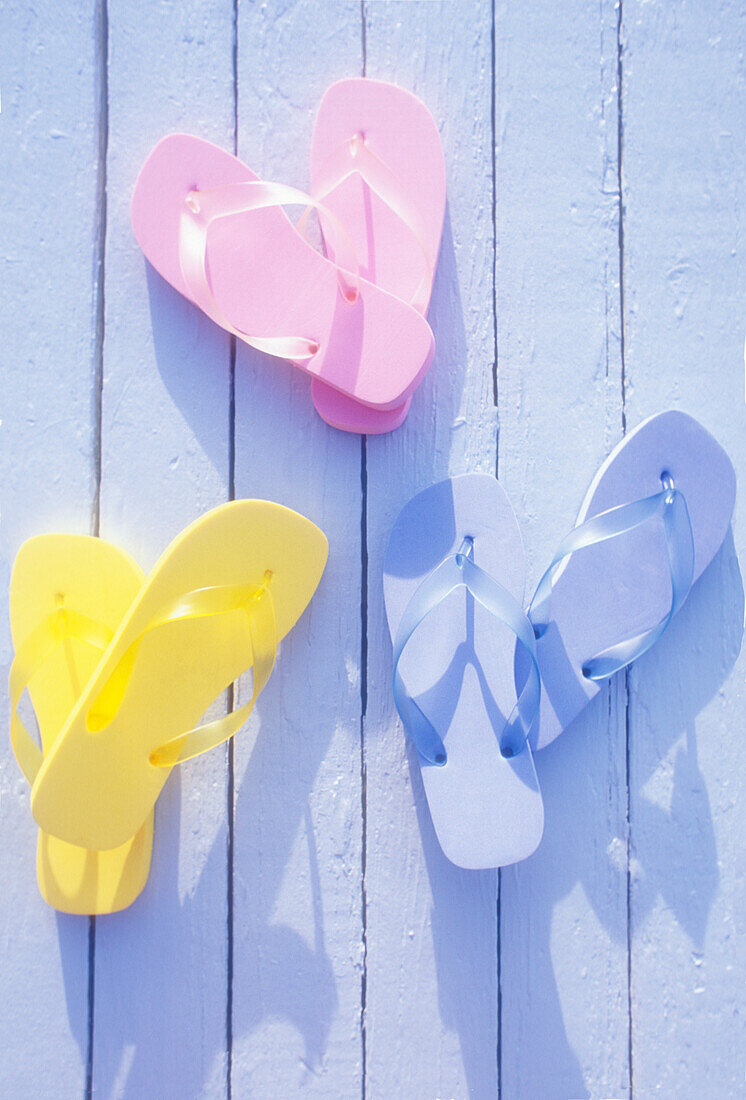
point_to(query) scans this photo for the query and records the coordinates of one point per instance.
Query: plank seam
(495, 395)
(363, 771)
(620, 144)
(493, 124)
(363, 687)
(101, 94)
(231, 697)
(627, 716)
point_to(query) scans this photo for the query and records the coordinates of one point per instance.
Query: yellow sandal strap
(58, 626)
(257, 604)
(260, 614)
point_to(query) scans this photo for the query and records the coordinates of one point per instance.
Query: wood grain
(161, 966)
(49, 234)
(431, 928)
(685, 272)
(297, 960)
(563, 958)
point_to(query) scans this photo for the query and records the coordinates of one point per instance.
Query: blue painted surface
(302, 934)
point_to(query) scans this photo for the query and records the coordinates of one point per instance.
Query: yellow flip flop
(68, 595)
(218, 602)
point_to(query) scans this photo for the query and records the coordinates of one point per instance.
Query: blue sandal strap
(670, 505)
(455, 571)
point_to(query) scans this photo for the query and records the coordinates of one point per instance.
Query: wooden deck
(301, 934)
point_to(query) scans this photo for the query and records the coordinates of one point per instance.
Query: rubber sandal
(377, 163)
(652, 521)
(217, 234)
(68, 595)
(466, 684)
(218, 602)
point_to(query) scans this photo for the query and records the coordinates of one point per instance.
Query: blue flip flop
(653, 519)
(466, 681)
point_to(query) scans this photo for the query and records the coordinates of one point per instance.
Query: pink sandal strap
(203, 208)
(355, 156)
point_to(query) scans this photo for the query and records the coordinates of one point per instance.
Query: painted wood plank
(48, 229)
(298, 951)
(161, 966)
(685, 267)
(431, 928)
(564, 1026)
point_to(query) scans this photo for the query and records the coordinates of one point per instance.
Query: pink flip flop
(377, 164)
(216, 232)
